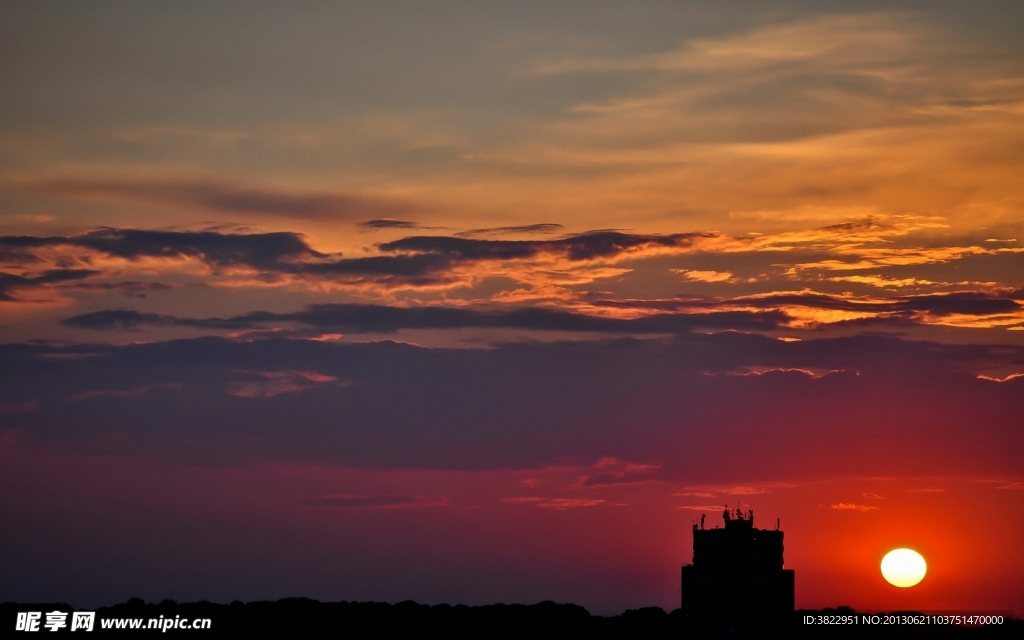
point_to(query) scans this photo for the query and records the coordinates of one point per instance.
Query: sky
(475, 303)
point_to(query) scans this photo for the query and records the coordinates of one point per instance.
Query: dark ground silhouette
(305, 618)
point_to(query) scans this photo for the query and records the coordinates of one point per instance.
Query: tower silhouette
(737, 579)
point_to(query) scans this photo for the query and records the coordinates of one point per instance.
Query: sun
(903, 567)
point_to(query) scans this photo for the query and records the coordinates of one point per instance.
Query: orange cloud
(560, 504)
(849, 506)
(705, 276)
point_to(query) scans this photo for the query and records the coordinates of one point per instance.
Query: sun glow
(903, 567)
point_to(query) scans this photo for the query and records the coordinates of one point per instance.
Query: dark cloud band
(10, 282)
(355, 318)
(977, 303)
(683, 403)
(416, 260)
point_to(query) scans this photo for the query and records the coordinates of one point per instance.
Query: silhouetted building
(737, 578)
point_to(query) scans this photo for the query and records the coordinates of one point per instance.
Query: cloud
(814, 113)
(879, 281)
(267, 384)
(585, 246)
(854, 40)
(363, 502)
(423, 269)
(121, 319)
(411, 261)
(872, 496)
(560, 504)
(268, 251)
(226, 198)
(606, 479)
(1007, 378)
(357, 318)
(270, 255)
(742, 490)
(832, 73)
(539, 270)
(810, 309)
(761, 371)
(127, 288)
(527, 405)
(388, 223)
(710, 491)
(11, 283)
(849, 506)
(963, 302)
(757, 312)
(611, 471)
(570, 503)
(541, 228)
(704, 276)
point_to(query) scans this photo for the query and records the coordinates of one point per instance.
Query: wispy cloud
(1007, 378)
(710, 491)
(388, 223)
(814, 113)
(529, 229)
(267, 384)
(852, 41)
(611, 471)
(368, 502)
(704, 276)
(849, 506)
(560, 504)
(713, 508)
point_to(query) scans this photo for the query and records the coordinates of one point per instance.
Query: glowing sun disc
(903, 567)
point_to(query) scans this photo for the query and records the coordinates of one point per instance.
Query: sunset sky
(489, 302)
